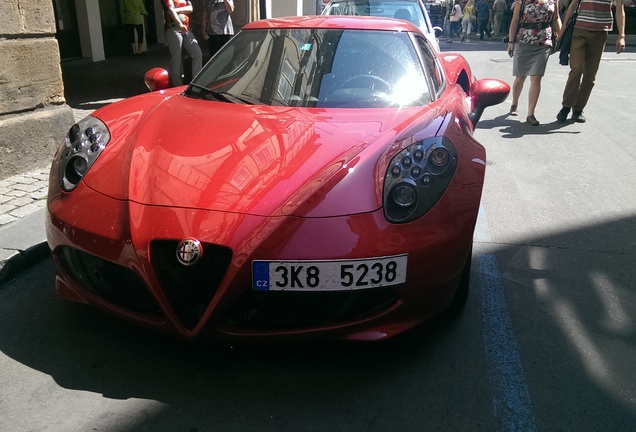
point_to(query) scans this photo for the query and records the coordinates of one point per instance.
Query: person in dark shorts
(217, 23)
(133, 12)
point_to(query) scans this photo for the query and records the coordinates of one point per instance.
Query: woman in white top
(455, 19)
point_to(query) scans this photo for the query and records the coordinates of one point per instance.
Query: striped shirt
(595, 15)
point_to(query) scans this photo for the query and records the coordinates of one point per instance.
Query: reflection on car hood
(169, 150)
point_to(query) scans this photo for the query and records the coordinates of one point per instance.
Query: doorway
(67, 33)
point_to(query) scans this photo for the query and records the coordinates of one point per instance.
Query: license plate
(326, 275)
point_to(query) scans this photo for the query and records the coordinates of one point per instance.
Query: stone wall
(33, 115)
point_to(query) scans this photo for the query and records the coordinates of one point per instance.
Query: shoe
(532, 120)
(563, 114)
(463, 38)
(578, 116)
(513, 110)
(449, 41)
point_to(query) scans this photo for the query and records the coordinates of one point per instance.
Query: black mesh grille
(189, 289)
(283, 310)
(114, 283)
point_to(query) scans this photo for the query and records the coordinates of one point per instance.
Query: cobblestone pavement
(23, 194)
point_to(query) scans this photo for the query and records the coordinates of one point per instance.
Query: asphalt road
(547, 341)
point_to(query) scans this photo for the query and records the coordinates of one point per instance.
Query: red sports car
(318, 178)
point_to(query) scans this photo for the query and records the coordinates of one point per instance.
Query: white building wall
(282, 8)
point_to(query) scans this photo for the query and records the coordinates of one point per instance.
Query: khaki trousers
(585, 59)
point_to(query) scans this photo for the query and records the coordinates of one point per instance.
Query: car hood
(170, 150)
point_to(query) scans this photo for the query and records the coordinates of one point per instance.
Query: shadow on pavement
(90, 85)
(334, 386)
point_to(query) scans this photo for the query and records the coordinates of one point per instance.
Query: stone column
(34, 117)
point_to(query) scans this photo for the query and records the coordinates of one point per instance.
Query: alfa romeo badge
(189, 251)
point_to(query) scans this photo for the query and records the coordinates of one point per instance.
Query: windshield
(315, 68)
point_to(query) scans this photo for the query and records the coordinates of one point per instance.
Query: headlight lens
(417, 177)
(404, 195)
(84, 143)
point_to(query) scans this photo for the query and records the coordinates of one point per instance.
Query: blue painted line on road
(511, 399)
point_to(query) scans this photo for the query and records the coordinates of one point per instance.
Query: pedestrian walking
(498, 10)
(455, 21)
(483, 15)
(533, 24)
(468, 19)
(593, 23)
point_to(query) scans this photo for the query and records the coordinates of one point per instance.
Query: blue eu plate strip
(260, 271)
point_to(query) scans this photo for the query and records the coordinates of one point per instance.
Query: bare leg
(533, 93)
(517, 86)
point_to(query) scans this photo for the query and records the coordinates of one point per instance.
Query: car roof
(348, 22)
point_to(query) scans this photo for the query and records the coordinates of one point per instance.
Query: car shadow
(82, 349)
(274, 386)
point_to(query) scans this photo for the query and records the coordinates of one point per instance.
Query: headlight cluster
(84, 142)
(417, 178)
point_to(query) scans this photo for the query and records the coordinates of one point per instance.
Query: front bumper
(120, 256)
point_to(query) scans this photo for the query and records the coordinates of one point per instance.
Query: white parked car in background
(410, 10)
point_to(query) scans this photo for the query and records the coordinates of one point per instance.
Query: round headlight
(407, 162)
(417, 177)
(76, 168)
(439, 157)
(404, 195)
(74, 133)
(83, 144)
(418, 155)
(396, 171)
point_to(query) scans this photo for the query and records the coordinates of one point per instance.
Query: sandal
(532, 120)
(513, 110)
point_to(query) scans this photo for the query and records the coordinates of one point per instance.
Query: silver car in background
(410, 10)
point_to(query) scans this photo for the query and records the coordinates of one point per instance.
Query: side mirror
(484, 93)
(157, 79)
(438, 31)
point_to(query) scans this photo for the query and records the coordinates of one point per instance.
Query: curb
(22, 261)
(22, 244)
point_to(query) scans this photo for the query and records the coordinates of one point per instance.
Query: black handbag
(565, 41)
(556, 45)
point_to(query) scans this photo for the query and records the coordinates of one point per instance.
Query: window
(431, 64)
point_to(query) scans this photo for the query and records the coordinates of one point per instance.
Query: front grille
(283, 310)
(114, 283)
(189, 289)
